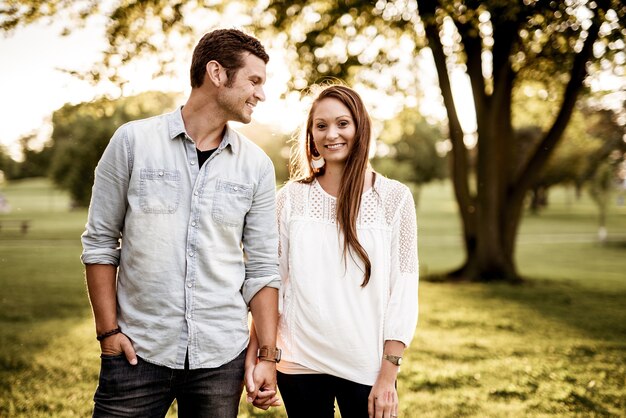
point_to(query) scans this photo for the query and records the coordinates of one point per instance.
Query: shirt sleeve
(260, 237)
(283, 241)
(101, 239)
(402, 310)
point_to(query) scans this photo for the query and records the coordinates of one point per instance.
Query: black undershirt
(204, 155)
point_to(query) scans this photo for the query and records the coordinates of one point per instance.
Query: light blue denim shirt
(193, 245)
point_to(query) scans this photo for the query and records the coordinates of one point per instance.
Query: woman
(349, 269)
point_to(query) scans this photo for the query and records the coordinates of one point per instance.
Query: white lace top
(328, 322)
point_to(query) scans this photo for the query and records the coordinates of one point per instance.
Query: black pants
(313, 395)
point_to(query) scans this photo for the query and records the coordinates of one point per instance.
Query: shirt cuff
(251, 286)
(102, 256)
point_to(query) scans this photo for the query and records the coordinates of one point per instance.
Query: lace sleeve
(402, 309)
(283, 241)
(407, 249)
(281, 199)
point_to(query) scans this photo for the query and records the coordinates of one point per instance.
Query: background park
(506, 118)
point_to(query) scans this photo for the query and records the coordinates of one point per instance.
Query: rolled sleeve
(260, 237)
(101, 239)
(252, 286)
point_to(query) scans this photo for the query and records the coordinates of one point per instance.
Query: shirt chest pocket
(232, 202)
(159, 190)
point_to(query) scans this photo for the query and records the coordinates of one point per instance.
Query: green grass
(554, 346)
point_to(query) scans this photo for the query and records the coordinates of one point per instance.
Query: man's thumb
(129, 352)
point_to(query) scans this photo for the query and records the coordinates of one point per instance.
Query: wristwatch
(268, 353)
(397, 360)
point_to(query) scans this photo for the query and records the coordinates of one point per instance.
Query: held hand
(383, 400)
(260, 379)
(118, 344)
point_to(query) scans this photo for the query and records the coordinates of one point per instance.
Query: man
(180, 242)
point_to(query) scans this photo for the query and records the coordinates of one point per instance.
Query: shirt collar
(176, 127)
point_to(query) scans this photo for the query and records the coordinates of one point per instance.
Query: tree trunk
(491, 216)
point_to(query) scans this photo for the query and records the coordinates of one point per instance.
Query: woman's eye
(320, 126)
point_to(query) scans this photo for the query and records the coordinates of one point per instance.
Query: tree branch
(472, 44)
(459, 151)
(552, 137)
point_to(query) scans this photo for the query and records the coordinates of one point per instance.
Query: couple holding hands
(186, 236)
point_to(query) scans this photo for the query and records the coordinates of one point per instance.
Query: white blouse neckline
(365, 192)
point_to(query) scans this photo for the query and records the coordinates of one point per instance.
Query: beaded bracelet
(109, 333)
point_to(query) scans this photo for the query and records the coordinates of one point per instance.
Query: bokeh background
(506, 119)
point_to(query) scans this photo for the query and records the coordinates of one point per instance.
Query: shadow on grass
(598, 313)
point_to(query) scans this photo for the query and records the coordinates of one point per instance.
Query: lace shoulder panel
(392, 194)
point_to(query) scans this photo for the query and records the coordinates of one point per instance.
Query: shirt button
(191, 253)
(188, 284)
(235, 188)
(195, 193)
(188, 316)
(192, 162)
(161, 173)
(193, 224)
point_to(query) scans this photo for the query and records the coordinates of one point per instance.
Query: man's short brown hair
(226, 46)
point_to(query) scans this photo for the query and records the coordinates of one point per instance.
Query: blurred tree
(35, 162)
(611, 127)
(81, 133)
(8, 166)
(497, 43)
(566, 166)
(601, 186)
(407, 150)
(591, 136)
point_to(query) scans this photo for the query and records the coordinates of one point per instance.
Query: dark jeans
(313, 395)
(148, 390)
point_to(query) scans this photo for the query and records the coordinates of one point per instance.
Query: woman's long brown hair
(351, 188)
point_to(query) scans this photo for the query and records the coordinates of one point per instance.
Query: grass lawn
(554, 346)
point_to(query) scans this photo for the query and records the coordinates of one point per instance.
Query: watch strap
(268, 353)
(397, 360)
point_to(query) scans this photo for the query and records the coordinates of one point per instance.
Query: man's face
(245, 91)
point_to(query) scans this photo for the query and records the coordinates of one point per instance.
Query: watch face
(399, 361)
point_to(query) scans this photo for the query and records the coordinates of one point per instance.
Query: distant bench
(19, 224)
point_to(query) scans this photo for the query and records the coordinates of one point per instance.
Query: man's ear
(215, 73)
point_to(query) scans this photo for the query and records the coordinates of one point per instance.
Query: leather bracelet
(107, 334)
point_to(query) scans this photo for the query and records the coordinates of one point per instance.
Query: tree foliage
(81, 133)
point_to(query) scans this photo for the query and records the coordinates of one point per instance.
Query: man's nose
(260, 94)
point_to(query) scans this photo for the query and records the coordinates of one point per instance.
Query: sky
(30, 85)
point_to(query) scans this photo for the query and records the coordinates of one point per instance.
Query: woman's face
(333, 130)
